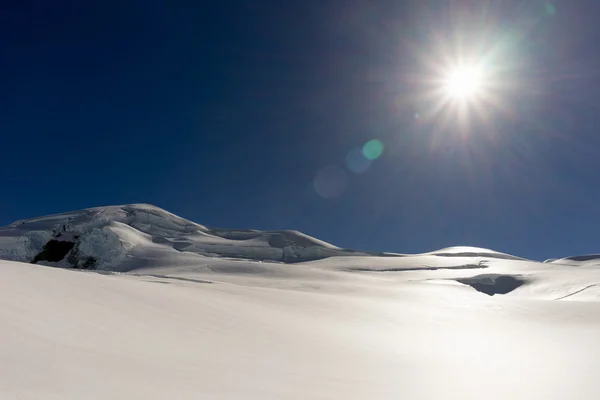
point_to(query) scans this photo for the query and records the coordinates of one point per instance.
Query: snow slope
(69, 334)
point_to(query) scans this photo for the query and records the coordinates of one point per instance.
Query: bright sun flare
(464, 82)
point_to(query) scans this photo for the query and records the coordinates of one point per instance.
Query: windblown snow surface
(176, 310)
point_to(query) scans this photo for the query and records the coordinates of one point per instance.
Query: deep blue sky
(224, 112)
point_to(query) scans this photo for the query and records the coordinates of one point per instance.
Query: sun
(464, 82)
(463, 91)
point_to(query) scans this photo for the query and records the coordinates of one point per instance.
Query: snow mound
(586, 260)
(122, 237)
(468, 251)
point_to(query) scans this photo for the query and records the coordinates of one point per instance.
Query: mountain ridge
(121, 237)
(109, 235)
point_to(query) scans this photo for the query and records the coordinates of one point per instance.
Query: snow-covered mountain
(122, 238)
(161, 307)
(147, 240)
(129, 237)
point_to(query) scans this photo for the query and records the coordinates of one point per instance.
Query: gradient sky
(242, 114)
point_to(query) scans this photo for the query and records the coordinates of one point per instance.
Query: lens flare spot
(373, 149)
(330, 182)
(357, 162)
(550, 8)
